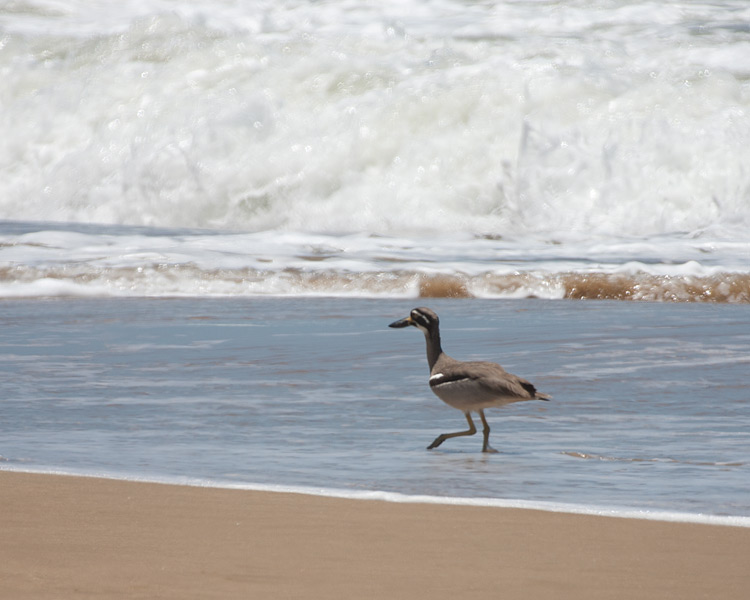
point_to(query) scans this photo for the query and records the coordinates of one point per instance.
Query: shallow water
(650, 411)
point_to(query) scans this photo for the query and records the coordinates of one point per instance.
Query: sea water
(228, 200)
(650, 408)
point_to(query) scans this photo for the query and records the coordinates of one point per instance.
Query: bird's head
(421, 318)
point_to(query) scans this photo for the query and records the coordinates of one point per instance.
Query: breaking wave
(188, 280)
(394, 117)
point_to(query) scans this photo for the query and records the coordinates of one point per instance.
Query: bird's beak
(402, 323)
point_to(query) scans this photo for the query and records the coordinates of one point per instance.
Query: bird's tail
(540, 396)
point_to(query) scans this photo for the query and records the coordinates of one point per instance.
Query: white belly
(466, 395)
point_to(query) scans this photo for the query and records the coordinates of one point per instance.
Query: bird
(467, 386)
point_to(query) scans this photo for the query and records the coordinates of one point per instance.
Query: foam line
(396, 497)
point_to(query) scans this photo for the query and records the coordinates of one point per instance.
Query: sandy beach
(71, 537)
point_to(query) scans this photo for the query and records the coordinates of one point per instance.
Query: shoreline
(614, 512)
(71, 536)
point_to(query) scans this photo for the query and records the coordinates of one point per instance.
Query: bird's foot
(490, 450)
(438, 440)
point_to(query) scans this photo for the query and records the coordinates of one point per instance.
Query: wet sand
(70, 537)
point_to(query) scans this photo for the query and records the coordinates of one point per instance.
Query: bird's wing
(492, 377)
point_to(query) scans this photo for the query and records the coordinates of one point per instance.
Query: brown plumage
(466, 386)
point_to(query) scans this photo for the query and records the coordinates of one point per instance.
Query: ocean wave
(407, 117)
(47, 259)
(189, 280)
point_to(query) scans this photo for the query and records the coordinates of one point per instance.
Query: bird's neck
(434, 350)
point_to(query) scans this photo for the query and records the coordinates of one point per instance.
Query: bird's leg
(446, 436)
(486, 433)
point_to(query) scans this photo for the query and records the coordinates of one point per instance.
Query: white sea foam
(395, 117)
(46, 287)
(375, 495)
(52, 260)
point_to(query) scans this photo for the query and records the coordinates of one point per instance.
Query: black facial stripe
(421, 319)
